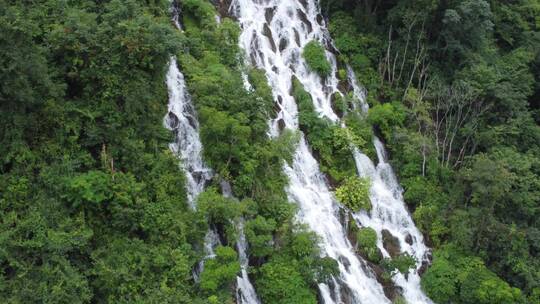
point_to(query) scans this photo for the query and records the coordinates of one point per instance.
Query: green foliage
(315, 57)
(360, 50)
(467, 27)
(361, 129)
(199, 11)
(281, 282)
(354, 193)
(402, 263)
(132, 271)
(455, 277)
(367, 242)
(463, 146)
(88, 184)
(233, 124)
(386, 116)
(331, 143)
(220, 272)
(91, 188)
(259, 235)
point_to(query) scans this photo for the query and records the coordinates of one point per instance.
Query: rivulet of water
(245, 293)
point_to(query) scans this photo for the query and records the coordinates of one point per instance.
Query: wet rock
(346, 294)
(391, 243)
(281, 124)
(296, 37)
(269, 14)
(332, 286)
(268, 33)
(283, 44)
(320, 19)
(220, 231)
(277, 104)
(173, 120)
(305, 20)
(346, 263)
(222, 6)
(428, 258)
(408, 239)
(391, 291)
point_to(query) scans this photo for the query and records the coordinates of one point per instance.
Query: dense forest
(93, 204)
(454, 90)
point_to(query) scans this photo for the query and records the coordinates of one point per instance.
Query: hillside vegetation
(93, 206)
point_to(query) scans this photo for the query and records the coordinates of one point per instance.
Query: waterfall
(291, 25)
(389, 213)
(273, 35)
(181, 119)
(245, 293)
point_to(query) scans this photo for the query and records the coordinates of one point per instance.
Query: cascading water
(273, 35)
(389, 214)
(291, 25)
(182, 120)
(245, 293)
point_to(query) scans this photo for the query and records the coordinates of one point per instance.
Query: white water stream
(389, 213)
(245, 293)
(273, 35)
(181, 119)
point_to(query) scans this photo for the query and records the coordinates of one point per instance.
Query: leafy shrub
(354, 193)
(315, 57)
(280, 282)
(401, 263)
(367, 242)
(259, 234)
(386, 116)
(220, 211)
(361, 128)
(326, 268)
(201, 11)
(220, 272)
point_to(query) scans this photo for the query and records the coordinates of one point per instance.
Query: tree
(279, 281)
